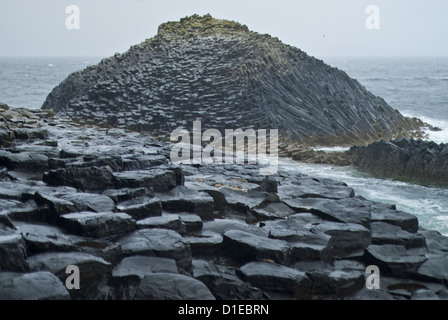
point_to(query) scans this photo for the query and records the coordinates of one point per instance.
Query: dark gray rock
(149, 208)
(273, 211)
(141, 266)
(277, 278)
(312, 188)
(434, 269)
(385, 233)
(193, 223)
(182, 199)
(221, 226)
(122, 195)
(157, 179)
(97, 225)
(56, 206)
(167, 286)
(167, 221)
(160, 243)
(90, 202)
(13, 253)
(31, 286)
(435, 241)
(90, 178)
(23, 160)
(43, 238)
(205, 243)
(345, 210)
(383, 213)
(92, 270)
(393, 259)
(246, 247)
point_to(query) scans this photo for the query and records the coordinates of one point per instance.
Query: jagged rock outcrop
(226, 76)
(420, 161)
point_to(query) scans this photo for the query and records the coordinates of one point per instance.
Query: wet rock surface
(153, 230)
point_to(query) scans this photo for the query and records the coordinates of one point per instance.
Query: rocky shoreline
(139, 227)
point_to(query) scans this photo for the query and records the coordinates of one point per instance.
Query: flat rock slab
(23, 160)
(43, 238)
(435, 269)
(90, 178)
(90, 202)
(435, 241)
(97, 225)
(393, 259)
(311, 188)
(221, 226)
(276, 210)
(182, 199)
(13, 253)
(141, 266)
(246, 247)
(205, 243)
(149, 208)
(31, 286)
(156, 179)
(384, 213)
(167, 221)
(224, 283)
(277, 278)
(158, 242)
(167, 286)
(193, 222)
(345, 210)
(385, 233)
(126, 194)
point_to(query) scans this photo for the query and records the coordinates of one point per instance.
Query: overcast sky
(319, 27)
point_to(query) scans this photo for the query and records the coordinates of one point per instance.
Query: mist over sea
(417, 87)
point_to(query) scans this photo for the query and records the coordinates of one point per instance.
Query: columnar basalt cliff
(226, 76)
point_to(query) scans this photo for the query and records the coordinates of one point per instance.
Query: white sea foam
(436, 136)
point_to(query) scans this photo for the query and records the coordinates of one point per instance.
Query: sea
(417, 87)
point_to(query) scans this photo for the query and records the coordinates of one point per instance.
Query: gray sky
(319, 27)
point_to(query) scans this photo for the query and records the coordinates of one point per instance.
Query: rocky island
(93, 186)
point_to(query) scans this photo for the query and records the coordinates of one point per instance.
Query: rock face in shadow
(220, 73)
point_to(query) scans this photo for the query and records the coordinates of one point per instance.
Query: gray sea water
(415, 86)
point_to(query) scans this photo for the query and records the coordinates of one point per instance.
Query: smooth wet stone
(434, 269)
(304, 204)
(90, 202)
(345, 210)
(56, 205)
(277, 278)
(149, 208)
(223, 282)
(92, 270)
(221, 226)
(435, 241)
(193, 222)
(205, 243)
(31, 286)
(240, 203)
(122, 195)
(44, 238)
(23, 160)
(97, 225)
(274, 210)
(13, 253)
(384, 233)
(310, 188)
(90, 178)
(393, 259)
(141, 266)
(383, 213)
(157, 179)
(182, 199)
(246, 247)
(330, 281)
(160, 243)
(168, 221)
(167, 286)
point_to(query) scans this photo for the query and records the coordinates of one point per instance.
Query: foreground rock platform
(139, 227)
